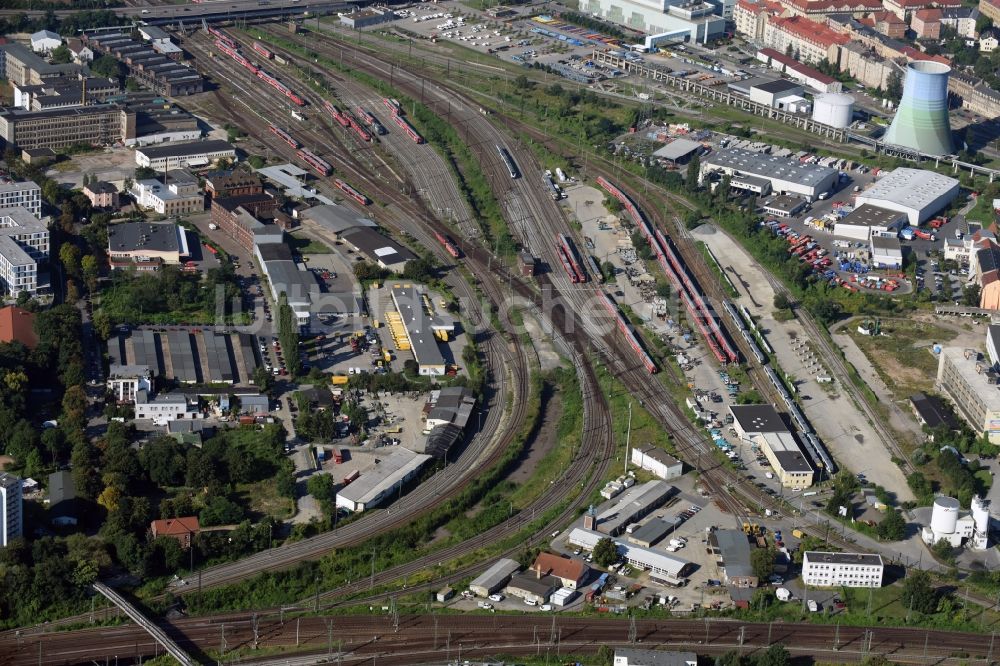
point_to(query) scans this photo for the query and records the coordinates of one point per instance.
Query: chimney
(538, 571)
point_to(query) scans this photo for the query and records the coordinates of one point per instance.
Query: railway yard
(660, 325)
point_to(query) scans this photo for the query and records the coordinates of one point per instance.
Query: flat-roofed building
(24, 242)
(886, 252)
(242, 218)
(634, 657)
(787, 176)
(970, 382)
(286, 278)
(379, 483)
(164, 408)
(678, 151)
(822, 569)
(790, 464)
(378, 248)
(59, 128)
(11, 511)
(27, 195)
(784, 206)
(22, 67)
(632, 505)
(657, 461)
(653, 532)
(734, 549)
(233, 183)
(125, 381)
(178, 196)
(180, 155)
(753, 420)
(145, 245)
(662, 567)
(867, 220)
(530, 587)
(419, 327)
(918, 193)
(495, 578)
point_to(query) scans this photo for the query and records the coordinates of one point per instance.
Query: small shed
(445, 594)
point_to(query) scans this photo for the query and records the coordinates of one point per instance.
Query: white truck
(783, 594)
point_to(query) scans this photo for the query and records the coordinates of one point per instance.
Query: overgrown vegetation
(170, 296)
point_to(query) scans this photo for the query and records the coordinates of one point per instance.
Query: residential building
(821, 569)
(751, 17)
(179, 155)
(887, 24)
(146, 245)
(165, 407)
(927, 23)
(240, 217)
(233, 183)
(11, 512)
(571, 572)
(101, 194)
(984, 268)
(59, 128)
(975, 94)
(125, 381)
(904, 9)
(62, 498)
(656, 460)
(380, 483)
(182, 528)
(733, 547)
(18, 325)
(988, 41)
(991, 9)
(82, 54)
(20, 66)
(27, 195)
(862, 63)
(787, 176)
(45, 41)
(917, 192)
(961, 19)
(816, 9)
(24, 242)
(969, 381)
(634, 657)
(808, 40)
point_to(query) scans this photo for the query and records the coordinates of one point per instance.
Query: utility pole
(371, 583)
(254, 624)
(628, 435)
(222, 640)
(297, 620)
(836, 638)
(329, 640)
(632, 632)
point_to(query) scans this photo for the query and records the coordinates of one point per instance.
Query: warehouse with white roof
(661, 566)
(787, 176)
(918, 193)
(376, 485)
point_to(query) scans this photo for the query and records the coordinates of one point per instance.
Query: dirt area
(541, 443)
(548, 357)
(838, 422)
(4, 461)
(399, 416)
(113, 165)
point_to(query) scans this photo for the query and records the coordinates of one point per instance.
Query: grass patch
(262, 499)
(901, 355)
(307, 245)
(720, 275)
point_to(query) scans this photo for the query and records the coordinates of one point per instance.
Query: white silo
(981, 515)
(944, 516)
(834, 109)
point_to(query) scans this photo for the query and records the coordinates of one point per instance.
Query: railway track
(410, 639)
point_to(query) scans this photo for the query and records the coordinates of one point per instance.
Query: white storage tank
(944, 516)
(834, 109)
(981, 514)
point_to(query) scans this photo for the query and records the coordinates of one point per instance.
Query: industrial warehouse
(187, 356)
(917, 193)
(376, 485)
(763, 427)
(786, 176)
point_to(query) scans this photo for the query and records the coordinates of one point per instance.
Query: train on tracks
(371, 121)
(285, 136)
(595, 268)
(264, 76)
(676, 271)
(509, 162)
(234, 53)
(394, 107)
(747, 334)
(817, 451)
(569, 258)
(337, 114)
(351, 192)
(629, 332)
(262, 51)
(319, 165)
(357, 127)
(407, 128)
(449, 245)
(222, 37)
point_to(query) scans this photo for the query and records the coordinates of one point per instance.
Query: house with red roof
(18, 325)
(571, 572)
(182, 528)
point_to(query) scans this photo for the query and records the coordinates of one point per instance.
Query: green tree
(605, 552)
(220, 510)
(781, 301)
(693, 169)
(419, 270)
(61, 55)
(893, 526)
(776, 655)
(108, 67)
(91, 272)
(263, 380)
(970, 295)
(894, 86)
(320, 486)
(943, 551)
(762, 562)
(919, 594)
(69, 256)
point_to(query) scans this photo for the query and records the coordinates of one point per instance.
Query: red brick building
(241, 217)
(236, 183)
(183, 529)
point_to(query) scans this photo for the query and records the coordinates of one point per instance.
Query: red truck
(926, 235)
(338, 456)
(353, 476)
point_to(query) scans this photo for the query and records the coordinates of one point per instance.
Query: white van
(530, 602)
